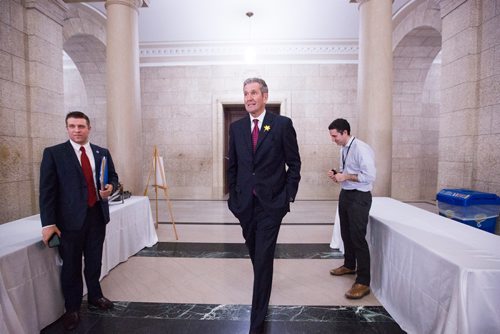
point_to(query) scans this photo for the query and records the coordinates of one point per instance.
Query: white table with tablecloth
(433, 274)
(30, 292)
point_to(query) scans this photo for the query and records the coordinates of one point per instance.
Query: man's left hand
(108, 190)
(340, 177)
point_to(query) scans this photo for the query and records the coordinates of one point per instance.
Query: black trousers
(260, 234)
(354, 208)
(87, 242)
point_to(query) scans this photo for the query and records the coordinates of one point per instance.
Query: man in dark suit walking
(73, 205)
(261, 188)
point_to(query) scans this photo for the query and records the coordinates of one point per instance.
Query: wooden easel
(158, 166)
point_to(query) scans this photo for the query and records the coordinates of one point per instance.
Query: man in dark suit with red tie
(261, 188)
(73, 205)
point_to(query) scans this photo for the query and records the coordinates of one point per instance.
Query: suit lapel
(97, 160)
(97, 155)
(70, 152)
(247, 133)
(265, 129)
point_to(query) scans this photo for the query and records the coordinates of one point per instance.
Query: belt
(356, 190)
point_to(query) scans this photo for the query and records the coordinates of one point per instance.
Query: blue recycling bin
(474, 208)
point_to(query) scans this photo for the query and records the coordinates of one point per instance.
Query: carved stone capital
(134, 4)
(359, 2)
(448, 6)
(55, 9)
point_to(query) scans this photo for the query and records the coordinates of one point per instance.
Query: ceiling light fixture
(250, 54)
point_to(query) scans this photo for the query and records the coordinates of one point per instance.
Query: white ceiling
(225, 20)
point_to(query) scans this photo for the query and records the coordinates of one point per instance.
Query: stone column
(42, 68)
(468, 98)
(123, 91)
(375, 86)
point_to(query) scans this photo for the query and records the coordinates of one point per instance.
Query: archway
(416, 101)
(84, 43)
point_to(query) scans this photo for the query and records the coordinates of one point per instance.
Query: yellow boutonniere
(267, 128)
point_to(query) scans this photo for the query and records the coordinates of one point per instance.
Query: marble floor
(202, 283)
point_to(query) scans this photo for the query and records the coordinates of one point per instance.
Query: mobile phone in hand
(54, 241)
(334, 171)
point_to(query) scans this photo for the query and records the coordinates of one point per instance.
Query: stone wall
(416, 44)
(31, 98)
(182, 115)
(486, 170)
(469, 154)
(15, 171)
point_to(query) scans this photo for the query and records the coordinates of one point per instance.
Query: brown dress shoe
(357, 291)
(342, 271)
(102, 303)
(71, 320)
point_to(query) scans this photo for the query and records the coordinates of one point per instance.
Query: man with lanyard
(356, 177)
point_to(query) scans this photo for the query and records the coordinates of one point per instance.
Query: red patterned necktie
(255, 133)
(89, 177)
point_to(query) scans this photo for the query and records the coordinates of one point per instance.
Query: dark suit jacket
(264, 171)
(63, 190)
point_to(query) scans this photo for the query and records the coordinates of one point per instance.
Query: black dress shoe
(102, 303)
(71, 320)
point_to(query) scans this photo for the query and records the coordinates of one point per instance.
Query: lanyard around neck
(344, 158)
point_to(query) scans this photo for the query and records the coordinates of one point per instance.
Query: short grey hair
(261, 82)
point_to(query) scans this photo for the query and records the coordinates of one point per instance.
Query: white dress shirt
(90, 155)
(260, 118)
(359, 159)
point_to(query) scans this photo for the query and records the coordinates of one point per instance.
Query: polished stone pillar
(375, 86)
(124, 120)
